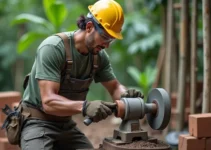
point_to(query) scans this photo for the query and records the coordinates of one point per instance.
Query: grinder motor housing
(130, 110)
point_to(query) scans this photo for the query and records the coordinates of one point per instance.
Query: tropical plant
(8, 55)
(142, 39)
(143, 79)
(56, 13)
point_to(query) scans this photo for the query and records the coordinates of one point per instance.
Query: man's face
(98, 39)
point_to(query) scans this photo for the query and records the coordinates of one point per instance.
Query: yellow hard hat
(110, 15)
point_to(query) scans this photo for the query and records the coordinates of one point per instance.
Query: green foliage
(47, 4)
(200, 64)
(139, 48)
(25, 18)
(56, 13)
(142, 35)
(144, 79)
(149, 42)
(5, 54)
(154, 4)
(28, 39)
(8, 39)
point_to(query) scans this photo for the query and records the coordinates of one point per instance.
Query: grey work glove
(132, 93)
(98, 110)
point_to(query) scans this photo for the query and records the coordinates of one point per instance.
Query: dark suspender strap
(66, 40)
(69, 60)
(95, 64)
(68, 55)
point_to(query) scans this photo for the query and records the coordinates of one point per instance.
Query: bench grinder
(157, 110)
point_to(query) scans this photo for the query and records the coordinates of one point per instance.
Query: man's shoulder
(103, 54)
(53, 40)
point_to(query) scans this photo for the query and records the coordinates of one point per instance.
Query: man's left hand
(132, 93)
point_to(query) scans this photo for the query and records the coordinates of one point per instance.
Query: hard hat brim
(114, 34)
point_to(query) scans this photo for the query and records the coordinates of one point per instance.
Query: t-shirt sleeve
(49, 60)
(105, 71)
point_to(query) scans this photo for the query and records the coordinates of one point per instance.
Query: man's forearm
(60, 106)
(116, 95)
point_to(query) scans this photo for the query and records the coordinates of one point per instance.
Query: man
(57, 87)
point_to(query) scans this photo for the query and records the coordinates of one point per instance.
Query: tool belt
(38, 114)
(16, 118)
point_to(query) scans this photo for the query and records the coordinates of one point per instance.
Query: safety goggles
(102, 33)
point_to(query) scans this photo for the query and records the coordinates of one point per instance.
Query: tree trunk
(174, 66)
(19, 66)
(169, 46)
(207, 55)
(182, 64)
(194, 42)
(161, 57)
(19, 69)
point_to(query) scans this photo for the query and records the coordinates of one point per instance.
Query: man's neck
(79, 39)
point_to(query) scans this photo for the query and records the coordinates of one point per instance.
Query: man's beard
(90, 41)
(91, 50)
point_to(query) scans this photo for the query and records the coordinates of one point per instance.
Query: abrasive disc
(161, 98)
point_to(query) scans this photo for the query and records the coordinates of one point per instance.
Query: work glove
(98, 110)
(132, 93)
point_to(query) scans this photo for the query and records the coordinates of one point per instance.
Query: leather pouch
(14, 123)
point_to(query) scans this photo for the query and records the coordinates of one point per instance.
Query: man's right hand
(98, 110)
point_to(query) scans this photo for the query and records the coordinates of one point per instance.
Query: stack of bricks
(199, 137)
(11, 99)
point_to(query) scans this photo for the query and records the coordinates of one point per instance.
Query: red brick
(199, 125)
(5, 145)
(8, 98)
(2, 132)
(187, 142)
(208, 144)
(15, 104)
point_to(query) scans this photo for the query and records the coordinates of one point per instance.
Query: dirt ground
(96, 132)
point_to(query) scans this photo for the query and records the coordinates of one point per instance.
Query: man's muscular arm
(55, 104)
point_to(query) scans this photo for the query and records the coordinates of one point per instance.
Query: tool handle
(88, 121)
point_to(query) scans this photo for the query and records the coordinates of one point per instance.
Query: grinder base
(150, 144)
(128, 137)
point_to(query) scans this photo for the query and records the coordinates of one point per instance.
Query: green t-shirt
(50, 59)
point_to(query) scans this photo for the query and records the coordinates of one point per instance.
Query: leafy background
(25, 23)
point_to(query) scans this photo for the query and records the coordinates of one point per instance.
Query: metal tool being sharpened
(157, 110)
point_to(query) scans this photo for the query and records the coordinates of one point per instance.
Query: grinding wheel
(161, 118)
